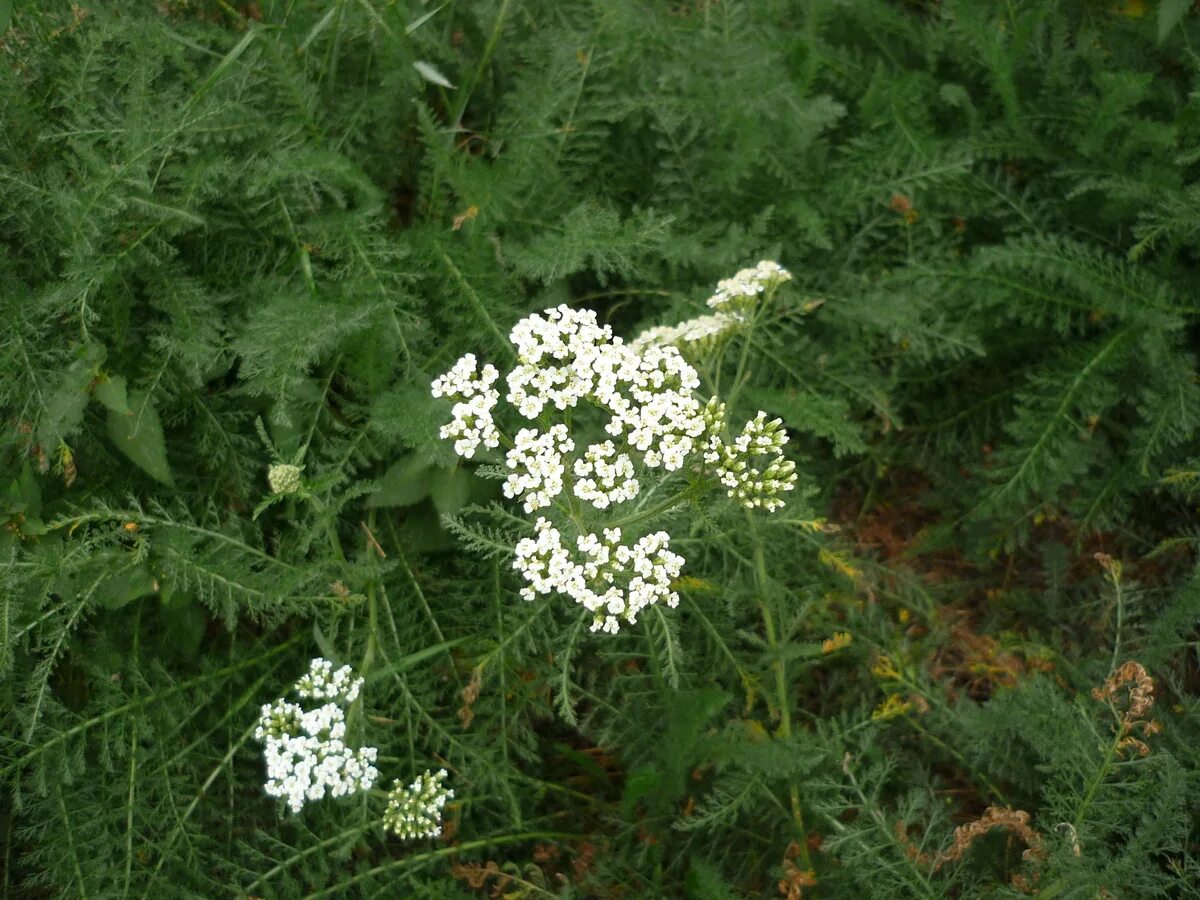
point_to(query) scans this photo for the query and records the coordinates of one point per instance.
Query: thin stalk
(782, 695)
(1116, 654)
(672, 501)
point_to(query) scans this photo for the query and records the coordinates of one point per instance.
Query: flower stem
(782, 695)
(671, 502)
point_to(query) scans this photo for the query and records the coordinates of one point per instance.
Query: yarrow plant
(305, 749)
(574, 379)
(416, 811)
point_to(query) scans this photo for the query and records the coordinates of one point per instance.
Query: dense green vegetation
(962, 661)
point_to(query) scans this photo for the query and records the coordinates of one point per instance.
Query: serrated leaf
(112, 394)
(122, 588)
(431, 74)
(64, 407)
(139, 435)
(450, 489)
(405, 483)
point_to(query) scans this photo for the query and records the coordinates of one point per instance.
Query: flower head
(612, 580)
(743, 289)
(739, 469)
(284, 478)
(573, 373)
(416, 811)
(472, 422)
(305, 750)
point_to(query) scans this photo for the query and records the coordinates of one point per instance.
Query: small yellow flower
(893, 706)
(839, 640)
(886, 669)
(839, 562)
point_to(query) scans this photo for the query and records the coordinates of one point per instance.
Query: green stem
(1116, 654)
(782, 695)
(672, 501)
(368, 660)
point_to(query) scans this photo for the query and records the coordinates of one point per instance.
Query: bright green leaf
(139, 435)
(111, 392)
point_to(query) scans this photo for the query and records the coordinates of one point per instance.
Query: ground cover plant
(629, 449)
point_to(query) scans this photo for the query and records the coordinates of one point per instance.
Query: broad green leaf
(111, 392)
(405, 483)
(450, 489)
(139, 435)
(1170, 14)
(64, 406)
(125, 586)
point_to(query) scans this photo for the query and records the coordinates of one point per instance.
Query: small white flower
(699, 334)
(321, 682)
(416, 811)
(614, 582)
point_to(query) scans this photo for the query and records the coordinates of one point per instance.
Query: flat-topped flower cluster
(308, 758)
(574, 378)
(305, 749)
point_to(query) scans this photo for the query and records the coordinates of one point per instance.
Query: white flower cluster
(699, 334)
(472, 424)
(613, 582)
(537, 463)
(645, 395)
(305, 749)
(416, 811)
(744, 288)
(284, 478)
(321, 682)
(744, 481)
(605, 476)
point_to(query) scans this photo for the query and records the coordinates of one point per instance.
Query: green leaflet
(138, 434)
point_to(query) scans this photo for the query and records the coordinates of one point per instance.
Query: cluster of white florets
(305, 749)
(472, 424)
(738, 466)
(613, 581)
(744, 288)
(604, 476)
(645, 396)
(284, 478)
(321, 682)
(536, 461)
(416, 811)
(699, 334)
